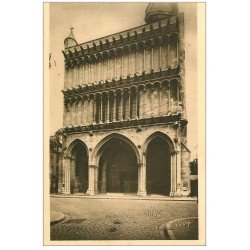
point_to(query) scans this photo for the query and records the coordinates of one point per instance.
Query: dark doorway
(79, 169)
(118, 171)
(194, 188)
(158, 169)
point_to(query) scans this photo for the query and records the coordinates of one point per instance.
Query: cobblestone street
(116, 219)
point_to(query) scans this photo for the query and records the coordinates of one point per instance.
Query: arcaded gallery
(125, 123)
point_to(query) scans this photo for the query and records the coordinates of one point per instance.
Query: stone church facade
(125, 123)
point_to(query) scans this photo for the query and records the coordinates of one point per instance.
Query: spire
(70, 40)
(71, 35)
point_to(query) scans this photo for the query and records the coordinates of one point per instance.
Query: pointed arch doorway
(158, 167)
(78, 168)
(118, 169)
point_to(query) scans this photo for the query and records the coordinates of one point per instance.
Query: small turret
(70, 40)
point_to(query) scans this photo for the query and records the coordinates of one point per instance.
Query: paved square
(116, 219)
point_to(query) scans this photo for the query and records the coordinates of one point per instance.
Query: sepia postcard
(124, 123)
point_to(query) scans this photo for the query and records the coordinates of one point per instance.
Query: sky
(94, 20)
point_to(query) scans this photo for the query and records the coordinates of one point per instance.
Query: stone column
(94, 110)
(101, 70)
(88, 111)
(108, 108)
(160, 57)
(173, 174)
(136, 104)
(177, 51)
(129, 111)
(72, 174)
(152, 106)
(121, 106)
(88, 73)
(169, 98)
(152, 58)
(108, 62)
(114, 108)
(178, 170)
(122, 65)
(103, 177)
(178, 99)
(142, 177)
(144, 52)
(129, 60)
(136, 60)
(168, 57)
(96, 169)
(115, 66)
(160, 104)
(66, 175)
(79, 74)
(91, 188)
(145, 103)
(100, 109)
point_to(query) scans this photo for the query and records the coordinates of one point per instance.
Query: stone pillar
(88, 111)
(94, 110)
(108, 107)
(66, 175)
(168, 58)
(136, 104)
(72, 175)
(160, 101)
(129, 61)
(177, 52)
(178, 99)
(169, 98)
(108, 62)
(91, 188)
(114, 108)
(96, 169)
(79, 74)
(136, 61)
(88, 73)
(152, 58)
(144, 52)
(103, 178)
(173, 174)
(129, 111)
(100, 109)
(121, 106)
(82, 112)
(142, 177)
(145, 103)
(178, 170)
(160, 57)
(101, 70)
(122, 65)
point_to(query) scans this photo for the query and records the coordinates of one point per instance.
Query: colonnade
(175, 179)
(122, 62)
(126, 104)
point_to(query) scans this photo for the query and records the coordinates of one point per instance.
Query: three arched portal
(118, 165)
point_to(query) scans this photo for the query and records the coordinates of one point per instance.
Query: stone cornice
(171, 74)
(92, 128)
(89, 50)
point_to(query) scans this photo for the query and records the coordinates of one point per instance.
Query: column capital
(93, 166)
(173, 152)
(67, 156)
